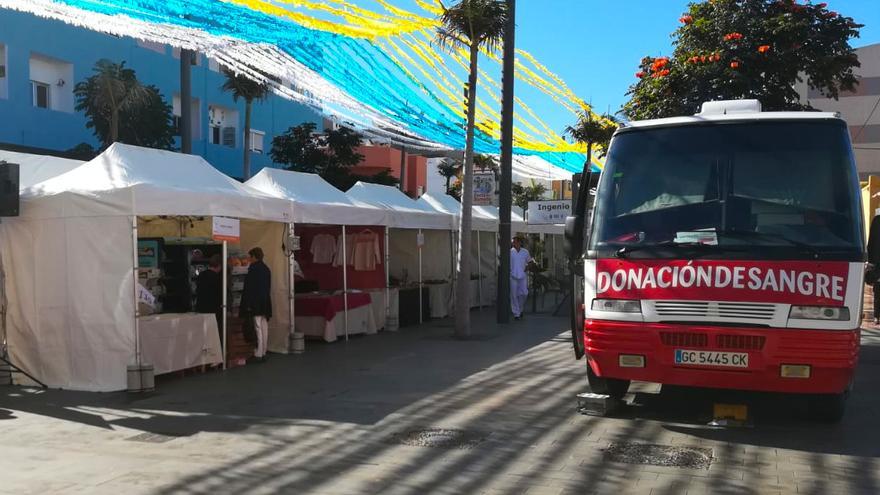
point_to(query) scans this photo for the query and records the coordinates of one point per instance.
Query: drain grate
(439, 438)
(151, 438)
(659, 455)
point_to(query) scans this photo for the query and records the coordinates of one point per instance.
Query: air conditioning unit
(229, 136)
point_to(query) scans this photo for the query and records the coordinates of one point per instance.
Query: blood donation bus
(725, 250)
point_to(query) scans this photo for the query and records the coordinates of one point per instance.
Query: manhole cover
(439, 438)
(659, 455)
(151, 438)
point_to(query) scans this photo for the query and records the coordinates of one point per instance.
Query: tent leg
(291, 293)
(387, 280)
(421, 289)
(225, 301)
(479, 272)
(345, 279)
(137, 330)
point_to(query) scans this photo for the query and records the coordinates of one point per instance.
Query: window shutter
(229, 137)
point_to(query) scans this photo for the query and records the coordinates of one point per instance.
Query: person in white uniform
(519, 282)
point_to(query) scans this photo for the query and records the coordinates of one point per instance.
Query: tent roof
(403, 211)
(517, 224)
(447, 204)
(125, 180)
(34, 169)
(316, 200)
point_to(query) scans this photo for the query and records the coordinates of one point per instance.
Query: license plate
(712, 358)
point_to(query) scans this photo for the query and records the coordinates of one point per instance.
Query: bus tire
(828, 408)
(612, 387)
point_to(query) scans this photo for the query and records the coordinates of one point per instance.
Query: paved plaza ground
(340, 420)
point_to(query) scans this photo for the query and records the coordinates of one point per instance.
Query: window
(215, 134)
(229, 137)
(40, 94)
(754, 187)
(51, 83)
(223, 125)
(257, 141)
(3, 76)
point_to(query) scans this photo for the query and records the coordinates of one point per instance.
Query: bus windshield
(763, 188)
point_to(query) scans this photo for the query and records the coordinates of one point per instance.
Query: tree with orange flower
(728, 49)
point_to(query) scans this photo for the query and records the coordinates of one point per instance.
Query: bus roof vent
(726, 107)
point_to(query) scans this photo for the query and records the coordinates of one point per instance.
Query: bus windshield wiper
(625, 250)
(752, 234)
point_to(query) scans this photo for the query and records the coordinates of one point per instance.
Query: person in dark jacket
(874, 260)
(256, 300)
(209, 291)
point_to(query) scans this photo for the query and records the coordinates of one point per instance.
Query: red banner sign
(789, 282)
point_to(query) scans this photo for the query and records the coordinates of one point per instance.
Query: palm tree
(469, 24)
(242, 86)
(485, 162)
(112, 90)
(589, 130)
(449, 169)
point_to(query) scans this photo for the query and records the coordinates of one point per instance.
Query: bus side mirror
(574, 238)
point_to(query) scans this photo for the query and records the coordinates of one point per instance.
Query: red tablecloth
(328, 306)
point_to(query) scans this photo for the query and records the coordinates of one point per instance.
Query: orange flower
(763, 48)
(686, 19)
(734, 65)
(640, 74)
(664, 72)
(733, 36)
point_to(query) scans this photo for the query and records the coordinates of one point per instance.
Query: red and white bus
(726, 250)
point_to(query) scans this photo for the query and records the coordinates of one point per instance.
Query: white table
(440, 299)
(173, 342)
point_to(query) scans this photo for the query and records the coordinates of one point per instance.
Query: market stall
(342, 289)
(483, 250)
(74, 287)
(420, 249)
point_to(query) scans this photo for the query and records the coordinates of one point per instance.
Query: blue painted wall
(21, 123)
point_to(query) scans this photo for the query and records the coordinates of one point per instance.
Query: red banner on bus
(788, 282)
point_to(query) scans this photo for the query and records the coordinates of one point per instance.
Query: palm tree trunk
(463, 273)
(246, 172)
(114, 125)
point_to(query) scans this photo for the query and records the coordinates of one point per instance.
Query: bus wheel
(606, 386)
(828, 408)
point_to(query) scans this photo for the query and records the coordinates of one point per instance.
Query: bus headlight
(617, 305)
(833, 313)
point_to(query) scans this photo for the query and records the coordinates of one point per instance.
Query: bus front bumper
(613, 348)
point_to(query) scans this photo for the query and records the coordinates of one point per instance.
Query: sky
(596, 45)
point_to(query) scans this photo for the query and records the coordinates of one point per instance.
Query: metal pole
(506, 163)
(479, 271)
(137, 329)
(225, 303)
(387, 279)
(345, 279)
(421, 316)
(186, 57)
(291, 292)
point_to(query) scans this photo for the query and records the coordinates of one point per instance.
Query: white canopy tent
(420, 238)
(34, 169)
(403, 211)
(445, 203)
(316, 201)
(72, 289)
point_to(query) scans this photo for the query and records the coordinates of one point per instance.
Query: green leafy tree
(449, 169)
(730, 49)
(249, 90)
(330, 154)
(119, 108)
(472, 25)
(523, 194)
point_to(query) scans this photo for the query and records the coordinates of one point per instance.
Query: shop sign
(484, 189)
(226, 229)
(420, 239)
(549, 212)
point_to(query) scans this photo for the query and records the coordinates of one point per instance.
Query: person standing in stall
(209, 291)
(256, 300)
(519, 282)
